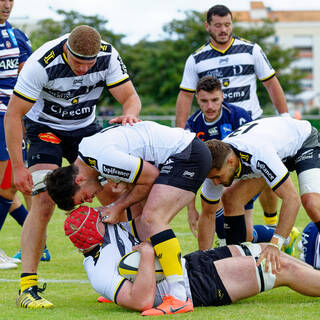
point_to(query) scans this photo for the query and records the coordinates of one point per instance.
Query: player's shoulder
(195, 117)
(233, 109)
(203, 48)
(49, 51)
(106, 47)
(240, 40)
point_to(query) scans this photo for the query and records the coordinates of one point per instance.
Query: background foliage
(156, 67)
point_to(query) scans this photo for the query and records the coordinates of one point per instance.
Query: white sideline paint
(49, 280)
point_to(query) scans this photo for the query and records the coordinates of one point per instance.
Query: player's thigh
(241, 191)
(164, 202)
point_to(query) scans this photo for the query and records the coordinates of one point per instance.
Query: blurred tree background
(156, 67)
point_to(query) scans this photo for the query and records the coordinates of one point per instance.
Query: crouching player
(213, 278)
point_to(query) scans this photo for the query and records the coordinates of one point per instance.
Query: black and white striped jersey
(237, 67)
(62, 100)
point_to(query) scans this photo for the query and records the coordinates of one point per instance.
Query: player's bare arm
(206, 225)
(183, 107)
(288, 213)
(276, 94)
(140, 294)
(17, 108)
(127, 96)
(138, 193)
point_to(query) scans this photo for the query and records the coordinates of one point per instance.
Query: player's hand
(129, 118)
(23, 180)
(270, 258)
(193, 218)
(145, 247)
(110, 214)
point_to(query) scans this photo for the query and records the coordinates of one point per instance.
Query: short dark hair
(209, 84)
(84, 41)
(218, 10)
(219, 151)
(61, 186)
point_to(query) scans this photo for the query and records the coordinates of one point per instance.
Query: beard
(215, 38)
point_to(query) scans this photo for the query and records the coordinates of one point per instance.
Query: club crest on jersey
(268, 173)
(49, 137)
(225, 82)
(75, 101)
(8, 44)
(113, 171)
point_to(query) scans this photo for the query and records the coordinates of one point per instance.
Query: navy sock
(262, 233)
(220, 223)
(235, 229)
(19, 214)
(5, 205)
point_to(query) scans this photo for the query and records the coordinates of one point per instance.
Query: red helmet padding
(81, 226)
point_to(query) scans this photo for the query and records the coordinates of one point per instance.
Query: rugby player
(260, 153)
(213, 278)
(55, 95)
(166, 167)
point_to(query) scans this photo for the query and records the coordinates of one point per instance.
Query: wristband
(280, 238)
(285, 114)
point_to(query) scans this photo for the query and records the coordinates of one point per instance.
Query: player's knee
(311, 202)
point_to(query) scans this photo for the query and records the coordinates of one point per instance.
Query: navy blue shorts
(188, 169)
(47, 145)
(206, 286)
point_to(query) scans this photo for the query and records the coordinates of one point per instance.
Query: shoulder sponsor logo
(49, 57)
(268, 173)
(246, 157)
(49, 137)
(113, 171)
(92, 162)
(4, 34)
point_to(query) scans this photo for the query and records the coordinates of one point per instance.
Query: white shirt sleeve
(262, 66)
(117, 70)
(28, 84)
(210, 192)
(190, 76)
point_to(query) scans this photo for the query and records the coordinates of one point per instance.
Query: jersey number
(243, 129)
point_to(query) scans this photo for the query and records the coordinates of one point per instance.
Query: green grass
(78, 300)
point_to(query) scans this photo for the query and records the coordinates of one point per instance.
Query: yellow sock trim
(271, 220)
(169, 255)
(28, 281)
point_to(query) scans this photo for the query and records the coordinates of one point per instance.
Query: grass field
(73, 297)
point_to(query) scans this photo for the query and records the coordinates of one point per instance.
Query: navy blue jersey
(231, 118)
(15, 49)
(310, 245)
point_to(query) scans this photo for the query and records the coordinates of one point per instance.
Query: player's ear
(79, 178)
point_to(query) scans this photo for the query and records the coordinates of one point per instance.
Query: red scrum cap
(81, 226)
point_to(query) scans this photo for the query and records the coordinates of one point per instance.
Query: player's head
(84, 228)
(225, 164)
(219, 24)
(5, 10)
(68, 188)
(209, 97)
(82, 48)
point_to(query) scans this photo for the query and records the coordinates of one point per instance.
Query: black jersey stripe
(234, 49)
(70, 94)
(229, 71)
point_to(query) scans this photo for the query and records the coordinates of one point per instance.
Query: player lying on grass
(215, 277)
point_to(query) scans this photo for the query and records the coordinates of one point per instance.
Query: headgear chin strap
(81, 226)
